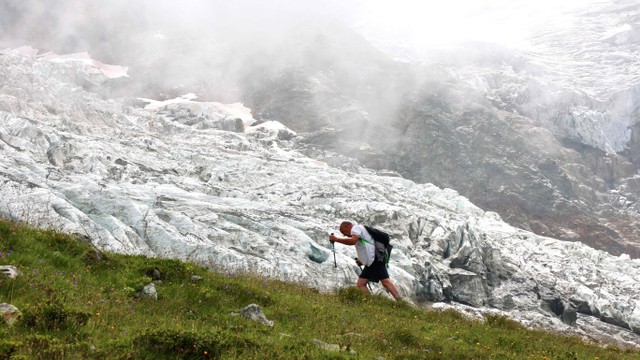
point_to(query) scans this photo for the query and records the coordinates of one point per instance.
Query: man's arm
(347, 241)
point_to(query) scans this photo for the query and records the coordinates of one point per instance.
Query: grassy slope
(75, 306)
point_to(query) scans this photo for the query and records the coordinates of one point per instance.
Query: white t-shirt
(364, 249)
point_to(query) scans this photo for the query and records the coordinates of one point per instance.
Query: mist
(312, 64)
(187, 42)
(167, 44)
(211, 47)
(124, 28)
(353, 66)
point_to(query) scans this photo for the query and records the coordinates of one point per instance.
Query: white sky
(439, 22)
(421, 21)
(407, 23)
(416, 22)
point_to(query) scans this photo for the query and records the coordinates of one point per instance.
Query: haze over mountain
(539, 131)
(475, 78)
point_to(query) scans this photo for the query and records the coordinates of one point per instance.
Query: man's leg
(388, 284)
(362, 284)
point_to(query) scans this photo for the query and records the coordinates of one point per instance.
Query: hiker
(373, 270)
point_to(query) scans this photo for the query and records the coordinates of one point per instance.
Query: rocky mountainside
(510, 130)
(545, 135)
(207, 182)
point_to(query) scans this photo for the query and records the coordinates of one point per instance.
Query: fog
(67, 25)
(430, 23)
(223, 50)
(71, 25)
(168, 44)
(286, 59)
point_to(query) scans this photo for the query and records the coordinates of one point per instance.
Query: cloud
(81, 25)
(428, 23)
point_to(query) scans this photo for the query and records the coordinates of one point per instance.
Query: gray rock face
(572, 175)
(520, 167)
(552, 160)
(550, 147)
(136, 180)
(549, 144)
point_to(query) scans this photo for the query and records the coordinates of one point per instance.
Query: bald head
(345, 228)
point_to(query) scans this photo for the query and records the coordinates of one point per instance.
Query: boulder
(154, 274)
(327, 347)
(254, 312)
(9, 313)
(9, 271)
(149, 291)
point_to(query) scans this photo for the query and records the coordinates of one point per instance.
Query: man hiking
(373, 270)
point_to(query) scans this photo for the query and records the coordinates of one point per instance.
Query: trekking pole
(335, 263)
(368, 283)
(333, 245)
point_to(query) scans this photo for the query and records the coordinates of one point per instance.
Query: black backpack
(382, 244)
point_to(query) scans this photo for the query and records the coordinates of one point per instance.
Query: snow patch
(110, 71)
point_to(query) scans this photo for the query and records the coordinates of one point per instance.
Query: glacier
(206, 182)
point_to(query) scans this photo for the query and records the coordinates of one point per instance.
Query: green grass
(78, 305)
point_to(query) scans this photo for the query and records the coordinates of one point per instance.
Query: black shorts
(376, 272)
